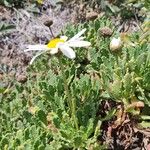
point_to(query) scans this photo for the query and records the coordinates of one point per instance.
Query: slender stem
(69, 99)
(117, 59)
(74, 113)
(51, 32)
(71, 102)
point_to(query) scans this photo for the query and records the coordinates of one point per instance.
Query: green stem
(74, 113)
(71, 102)
(65, 83)
(117, 59)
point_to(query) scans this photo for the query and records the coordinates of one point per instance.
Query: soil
(29, 29)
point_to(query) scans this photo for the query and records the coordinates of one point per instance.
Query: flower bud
(115, 44)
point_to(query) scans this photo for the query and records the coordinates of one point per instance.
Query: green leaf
(4, 142)
(2, 90)
(41, 147)
(127, 84)
(6, 27)
(109, 115)
(77, 141)
(42, 116)
(145, 124)
(90, 127)
(144, 117)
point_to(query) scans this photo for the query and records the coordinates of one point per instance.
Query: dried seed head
(22, 78)
(48, 23)
(139, 104)
(106, 31)
(91, 16)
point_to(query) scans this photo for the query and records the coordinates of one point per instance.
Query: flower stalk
(62, 46)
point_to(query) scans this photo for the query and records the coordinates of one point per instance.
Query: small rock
(5, 61)
(106, 31)
(22, 78)
(25, 58)
(12, 73)
(82, 6)
(74, 19)
(4, 19)
(148, 147)
(91, 15)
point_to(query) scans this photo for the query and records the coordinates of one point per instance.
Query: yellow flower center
(53, 43)
(40, 1)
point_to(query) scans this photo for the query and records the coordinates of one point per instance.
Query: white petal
(67, 51)
(81, 38)
(54, 51)
(77, 35)
(78, 43)
(36, 57)
(37, 47)
(65, 38)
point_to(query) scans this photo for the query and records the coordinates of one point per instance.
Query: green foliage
(127, 75)
(5, 28)
(15, 3)
(57, 107)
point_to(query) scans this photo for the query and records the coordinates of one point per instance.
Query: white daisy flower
(60, 44)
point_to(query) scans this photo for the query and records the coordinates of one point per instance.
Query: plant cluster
(57, 107)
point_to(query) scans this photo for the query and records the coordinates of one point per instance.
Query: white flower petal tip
(54, 51)
(81, 38)
(31, 62)
(82, 31)
(65, 38)
(67, 51)
(78, 35)
(79, 44)
(37, 47)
